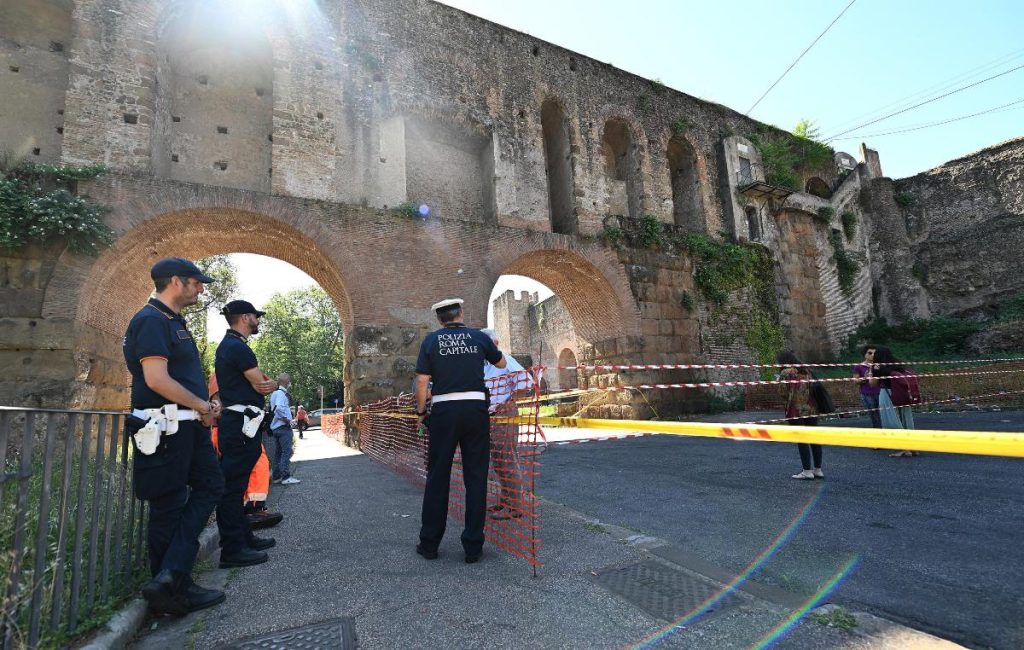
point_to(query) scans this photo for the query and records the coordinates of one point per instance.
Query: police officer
(175, 469)
(242, 388)
(453, 359)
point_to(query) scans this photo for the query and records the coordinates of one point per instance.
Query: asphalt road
(939, 539)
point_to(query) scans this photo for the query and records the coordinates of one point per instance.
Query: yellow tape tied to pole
(982, 443)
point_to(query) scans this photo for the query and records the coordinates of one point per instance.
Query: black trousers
(238, 455)
(465, 424)
(808, 451)
(183, 484)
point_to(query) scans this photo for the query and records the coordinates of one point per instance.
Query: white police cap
(446, 303)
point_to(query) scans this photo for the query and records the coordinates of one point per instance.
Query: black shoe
(427, 554)
(473, 559)
(264, 519)
(262, 543)
(245, 557)
(164, 594)
(200, 598)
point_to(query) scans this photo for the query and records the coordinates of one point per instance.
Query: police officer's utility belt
(465, 395)
(252, 417)
(159, 422)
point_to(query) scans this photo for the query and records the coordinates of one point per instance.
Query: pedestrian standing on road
(281, 432)
(892, 416)
(301, 420)
(175, 468)
(242, 388)
(505, 435)
(868, 393)
(801, 410)
(452, 358)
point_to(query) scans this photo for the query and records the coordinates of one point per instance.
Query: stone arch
(558, 166)
(35, 43)
(687, 198)
(213, 121)
(589, 281)
(567, 379)
(621, 163)
(117, 284)
(818, 187)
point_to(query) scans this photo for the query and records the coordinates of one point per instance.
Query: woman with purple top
(868, 393)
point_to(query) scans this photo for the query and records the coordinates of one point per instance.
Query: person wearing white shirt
(281, 432)
(504, 435)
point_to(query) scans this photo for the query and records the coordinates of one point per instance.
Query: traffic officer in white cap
(452, 358)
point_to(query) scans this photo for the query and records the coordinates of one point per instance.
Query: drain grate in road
(661, 591)
(338, 634)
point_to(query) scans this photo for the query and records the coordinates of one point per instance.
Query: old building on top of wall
(322, 133)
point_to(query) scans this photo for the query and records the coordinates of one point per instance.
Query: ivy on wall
(785, 156)
(847, 266)
(38, 205)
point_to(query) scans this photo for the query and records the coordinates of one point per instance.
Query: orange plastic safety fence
(388, 434)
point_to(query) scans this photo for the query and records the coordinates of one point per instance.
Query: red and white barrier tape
(744, 366)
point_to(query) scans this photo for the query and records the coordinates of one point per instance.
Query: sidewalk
(346, 549)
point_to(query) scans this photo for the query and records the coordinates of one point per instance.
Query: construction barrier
(389, 435)
(982, 443)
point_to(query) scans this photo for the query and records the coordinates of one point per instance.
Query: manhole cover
(661, 591)
(337, 634)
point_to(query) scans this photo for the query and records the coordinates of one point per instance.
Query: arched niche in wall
(567, 372)
(558, 165)
(214, 108)
(621, 168)
(818, 188)
(35, 41)
(687, 204)
(450, 168)
(753, 223)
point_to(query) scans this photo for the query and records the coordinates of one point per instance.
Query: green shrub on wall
(785, 156)
(847, 265)
(37, 206)
(849, 220)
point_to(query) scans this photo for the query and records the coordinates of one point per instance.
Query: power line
(927, 101)
(935, 88)
(791, 65)
(932, 124)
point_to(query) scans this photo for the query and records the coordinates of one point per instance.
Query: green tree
(302, 335)
(220, 268)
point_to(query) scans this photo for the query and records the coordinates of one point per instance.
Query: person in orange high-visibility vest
(259, 481)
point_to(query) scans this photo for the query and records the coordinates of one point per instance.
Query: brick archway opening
(567, 375)
(118, 283)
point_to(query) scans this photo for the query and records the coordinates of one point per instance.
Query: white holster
(252, 416)
(159, 421)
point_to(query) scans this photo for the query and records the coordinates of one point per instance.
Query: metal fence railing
(71, 531)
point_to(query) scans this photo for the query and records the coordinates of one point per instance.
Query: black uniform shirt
(156, 331)
(454, 357)
(233, 358)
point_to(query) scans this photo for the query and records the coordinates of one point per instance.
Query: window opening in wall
(60, 111)
(621, 169)
(36, 151)
(56, 46)
(175, 118)
(60, 129)
(572, 63)
(535, 51)
(222, 129)
(14, 68)
(746, 171)
(174, 157)
(687, 202)
(558, 166)
(270, 138)
(319, 116)
(131, 118)
(221, 165)
(753, 223)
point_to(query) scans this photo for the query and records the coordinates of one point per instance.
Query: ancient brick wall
(948, 240)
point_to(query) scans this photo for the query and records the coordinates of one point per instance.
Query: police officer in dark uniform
(242, 388)
(452, 358)
(175, 467)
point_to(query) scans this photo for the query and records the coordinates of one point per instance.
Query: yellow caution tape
(983, 443)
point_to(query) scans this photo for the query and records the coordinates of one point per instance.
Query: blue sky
(879, 53)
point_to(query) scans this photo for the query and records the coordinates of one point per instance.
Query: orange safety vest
(259, 480)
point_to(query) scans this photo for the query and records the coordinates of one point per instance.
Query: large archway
(118, 283)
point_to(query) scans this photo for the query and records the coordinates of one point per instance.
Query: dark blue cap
(170, 267)
(238, 307)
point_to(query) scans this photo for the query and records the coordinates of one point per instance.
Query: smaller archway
(621, 168)
(687, 206)
(567, 372)
(818, 188)
(558, 165)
